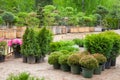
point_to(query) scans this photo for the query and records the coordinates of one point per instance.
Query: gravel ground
(45, 70)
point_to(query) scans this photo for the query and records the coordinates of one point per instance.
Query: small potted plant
(2, 51)
(73, 61)
(101, 60)
(53, 59)
(88, 63)
(63, 62)
(16, 45)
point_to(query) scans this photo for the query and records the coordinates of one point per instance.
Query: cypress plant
(30, 46)
(44, 38)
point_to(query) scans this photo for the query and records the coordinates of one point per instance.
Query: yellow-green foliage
(88, 62)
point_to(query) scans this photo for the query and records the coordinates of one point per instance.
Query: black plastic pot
(98, 70)
(24, 59)
(113, 62)
(108, 64)
(65, 67)
(75, 69)
(103, 66)
(2, 58)
(17, 54)
(38, 59)
(31, 59)
(56, 66)
(87, 73)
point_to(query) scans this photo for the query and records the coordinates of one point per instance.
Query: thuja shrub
(97, 43)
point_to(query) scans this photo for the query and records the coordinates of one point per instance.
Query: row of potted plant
(36, 44)
(78, 63)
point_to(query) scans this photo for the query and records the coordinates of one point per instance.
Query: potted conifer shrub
(100, 43)
(88, 63)
(24, 45)
(116, 46)
(53, 59)
(30, 47)
(2, 51)
(44, 39)
(101, 60)
(73, 61)
(63, 62)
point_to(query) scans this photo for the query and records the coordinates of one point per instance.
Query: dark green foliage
(30, 45)
(63, 45)
(8, 17)
(97, 43)
(79, 42)
(44, 39)
(101, 10)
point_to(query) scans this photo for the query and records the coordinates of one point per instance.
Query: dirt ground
(45, 70)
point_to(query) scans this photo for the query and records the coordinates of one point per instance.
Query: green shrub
(22, 19)
(22, 76)
(63, 59)
(79, 42)
(63, 45)
(88, 62)
(53, 57)
(44, 38)
(8, 17)
(100, 58)
(30, 46)
(97, 43)
(2, 47)
(74, 59)
(116, 43)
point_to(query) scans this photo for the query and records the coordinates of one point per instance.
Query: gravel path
(15, 66)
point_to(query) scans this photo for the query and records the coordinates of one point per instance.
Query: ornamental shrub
(74, 59)
(79, 42)
(100, 58)
(116, 43)
(97, 43)
(44, 38)
(30, 46)
(88, 62)
(53, 57)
